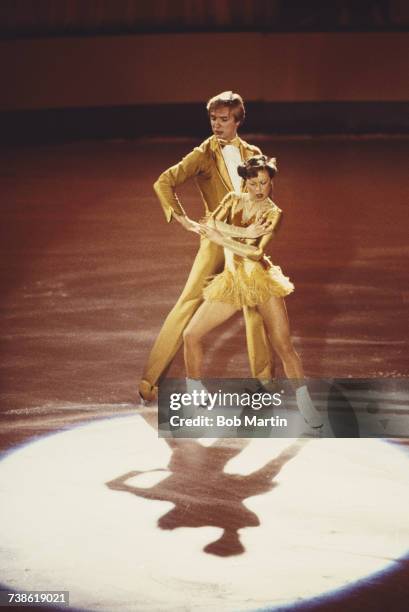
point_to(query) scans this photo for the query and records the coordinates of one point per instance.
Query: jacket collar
(216, 151)
(214, 145)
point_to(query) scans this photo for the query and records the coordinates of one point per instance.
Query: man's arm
(190, 166)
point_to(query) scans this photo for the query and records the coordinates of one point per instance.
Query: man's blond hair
(228, 98)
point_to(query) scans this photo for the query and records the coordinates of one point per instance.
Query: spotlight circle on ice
(306, 517)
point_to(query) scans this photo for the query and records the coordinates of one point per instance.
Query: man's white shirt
(232, 158)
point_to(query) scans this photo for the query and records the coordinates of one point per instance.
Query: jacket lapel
(245, 153)
(220, 164)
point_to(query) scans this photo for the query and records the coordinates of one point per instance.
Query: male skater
(214, 166)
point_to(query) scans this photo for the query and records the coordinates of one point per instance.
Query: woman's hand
(188, 224)
(210, 232)
(259, 228)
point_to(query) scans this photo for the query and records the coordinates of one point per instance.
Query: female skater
(248, 279)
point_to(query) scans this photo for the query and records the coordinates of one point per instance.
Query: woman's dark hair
(251, 167)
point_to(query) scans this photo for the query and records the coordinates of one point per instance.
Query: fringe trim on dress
(241, 289)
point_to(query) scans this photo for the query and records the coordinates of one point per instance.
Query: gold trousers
(209, 260)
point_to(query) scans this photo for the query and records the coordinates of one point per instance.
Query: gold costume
(206, 165)
(249, 278)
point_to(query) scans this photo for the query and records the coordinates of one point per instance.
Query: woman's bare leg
(208, 316)
(275, 318)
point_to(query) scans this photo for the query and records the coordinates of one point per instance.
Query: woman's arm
(221, 212)
(217, 220)
(244, 250)
(261, 227)
(248, 250)
(255, 230)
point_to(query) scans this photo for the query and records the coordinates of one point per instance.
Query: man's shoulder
(249, 147)
(206, 146)
(201, 154)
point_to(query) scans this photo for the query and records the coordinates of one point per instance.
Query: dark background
(104, 69)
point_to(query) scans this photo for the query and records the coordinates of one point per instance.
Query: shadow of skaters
(214, 498)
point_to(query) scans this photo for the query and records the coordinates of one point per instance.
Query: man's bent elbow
(156, 186)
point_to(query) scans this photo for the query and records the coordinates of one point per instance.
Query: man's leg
(208, 261)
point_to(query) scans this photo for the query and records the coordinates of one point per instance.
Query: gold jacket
(206, 164)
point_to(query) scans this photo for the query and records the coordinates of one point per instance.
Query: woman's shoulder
(241, 197)
(271, 207)
(231, 198)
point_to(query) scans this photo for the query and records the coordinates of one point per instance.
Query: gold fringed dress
(249, 278)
